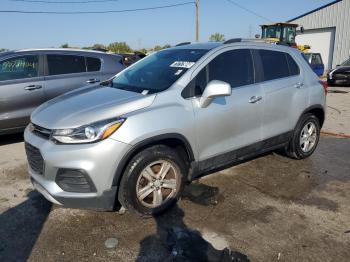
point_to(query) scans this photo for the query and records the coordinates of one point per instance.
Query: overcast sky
(138, 29)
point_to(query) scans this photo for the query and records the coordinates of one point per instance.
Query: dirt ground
(269, 209)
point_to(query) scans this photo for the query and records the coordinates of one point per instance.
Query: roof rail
(233, 40)
(184, 43)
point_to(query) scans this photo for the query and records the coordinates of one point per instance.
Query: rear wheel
(305, 137)
(152, 181)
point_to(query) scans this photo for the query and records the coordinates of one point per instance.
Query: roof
(59, 49)
(280, 23)
(205, 46)
(315, 10)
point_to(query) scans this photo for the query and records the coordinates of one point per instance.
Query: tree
(2, 49)
(217, 37)
(157, 48)
(166, 46)
(143, 50)
(119, 48)
(65, 45)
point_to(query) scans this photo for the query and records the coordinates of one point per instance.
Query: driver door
(231, 126)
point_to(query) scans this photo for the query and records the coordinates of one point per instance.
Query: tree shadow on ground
(175, 241)
(20, 227)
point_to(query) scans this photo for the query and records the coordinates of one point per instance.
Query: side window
(93, 64)
(293, 67)
(316, 59)
(234, 67)
(65, 64)
(19, 67)
(274, 64)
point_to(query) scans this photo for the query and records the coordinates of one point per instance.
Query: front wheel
(152, 181)
(305, 137)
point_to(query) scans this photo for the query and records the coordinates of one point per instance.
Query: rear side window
(19, 67)
(93, 64)
(65, 64)
(274, 64)
(293, 67)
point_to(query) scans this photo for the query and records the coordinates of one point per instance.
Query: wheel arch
(317, 110)
(173, 140)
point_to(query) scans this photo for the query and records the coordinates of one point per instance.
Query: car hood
(88, 105)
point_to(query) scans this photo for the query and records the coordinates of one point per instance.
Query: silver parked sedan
(30, 77)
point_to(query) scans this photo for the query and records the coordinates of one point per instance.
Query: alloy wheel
(157, 183)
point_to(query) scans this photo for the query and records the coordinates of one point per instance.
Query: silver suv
(176, 115)
(30, 77)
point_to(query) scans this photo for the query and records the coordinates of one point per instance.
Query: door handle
(92, 81)
(254, 99)
(298, 85)
(32, 87)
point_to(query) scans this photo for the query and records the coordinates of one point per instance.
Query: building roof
(315, 10)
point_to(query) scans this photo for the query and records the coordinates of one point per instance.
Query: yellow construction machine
(282, 34)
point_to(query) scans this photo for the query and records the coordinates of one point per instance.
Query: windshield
(272, 32)
(157, 72)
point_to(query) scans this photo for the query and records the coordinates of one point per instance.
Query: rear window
(293, 67)
(93, 64)
(65, 64)
(274, 64)
(316, 59)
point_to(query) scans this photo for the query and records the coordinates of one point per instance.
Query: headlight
(89, 133)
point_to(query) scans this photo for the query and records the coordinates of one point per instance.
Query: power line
(94, 12)
(64, 2)
(249, 11)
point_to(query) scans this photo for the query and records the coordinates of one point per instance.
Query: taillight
(325, 86)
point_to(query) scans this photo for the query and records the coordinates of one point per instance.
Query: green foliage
(119, 48)
(157, 48)
(65, 45)
(3, 49)
(143, 50)
(217, 37)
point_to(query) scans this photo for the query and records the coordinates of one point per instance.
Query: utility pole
(197, 20)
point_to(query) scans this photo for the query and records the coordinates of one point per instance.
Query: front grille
(35, 160)
(41, 131)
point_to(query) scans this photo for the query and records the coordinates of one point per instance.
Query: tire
(296, 148)
(141, 185)
(330, 82)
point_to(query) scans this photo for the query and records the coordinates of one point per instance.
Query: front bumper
(99, 161)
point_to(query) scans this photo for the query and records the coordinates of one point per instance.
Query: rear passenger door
(66, 72)
(232, 122)
(283, 89)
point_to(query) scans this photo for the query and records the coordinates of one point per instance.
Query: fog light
(74, 180)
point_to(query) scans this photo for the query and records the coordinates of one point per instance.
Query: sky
(142, 29)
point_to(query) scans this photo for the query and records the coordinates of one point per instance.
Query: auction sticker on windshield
(182, 64)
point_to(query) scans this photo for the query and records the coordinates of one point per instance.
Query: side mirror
(214, 89)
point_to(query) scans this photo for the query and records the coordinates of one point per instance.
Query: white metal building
(327, 31)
